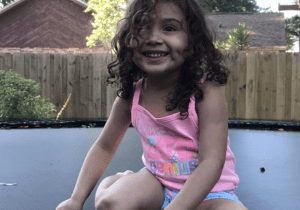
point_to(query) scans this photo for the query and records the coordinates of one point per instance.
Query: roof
(267, 29)
(17, 2)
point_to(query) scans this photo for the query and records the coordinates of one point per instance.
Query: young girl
(170, 75)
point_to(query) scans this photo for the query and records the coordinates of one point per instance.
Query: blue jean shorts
(229, 195)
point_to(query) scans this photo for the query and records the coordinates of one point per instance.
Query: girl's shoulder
(213, 99)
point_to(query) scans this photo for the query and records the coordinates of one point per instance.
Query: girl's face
(160, 48)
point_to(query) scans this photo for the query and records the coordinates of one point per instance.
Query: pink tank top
(170, 146)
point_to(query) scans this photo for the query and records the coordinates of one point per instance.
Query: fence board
(64, 77)
(295, 96)
(273, 79)
(8, 61)
(288, 86)
(251, 87)
(27, 62)
(261, 85)
(281, 77)
(241, 85)
(71, 86)
(2, 61)
(97, 87)
(45, 72)
(18, 63)
(91, 87)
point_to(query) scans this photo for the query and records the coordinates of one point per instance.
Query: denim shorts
(229, 195)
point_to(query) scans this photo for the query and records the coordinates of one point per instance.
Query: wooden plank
(295, 93)
(76, 89)
(234, 79)
(27, 65)
(241, 85)
(8, 62)
(97, 83)
(288, 87)
(18, 63)
(45, 71)
(71, 85)
(1, 61)
(259, 72)
(91, 114)
(281, 77)
(52, 81)
(111, 90)
(40, 72)
(264, 78)
(104, 87)
(58, 82)
(64, 83)
(33, 71)
(273, 81)
(228, 90)
(84, 86)
(251, 87)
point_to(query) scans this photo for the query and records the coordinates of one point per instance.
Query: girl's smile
(161, 44)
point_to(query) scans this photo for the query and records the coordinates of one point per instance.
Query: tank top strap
(192, 111)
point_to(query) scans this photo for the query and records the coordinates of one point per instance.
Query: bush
(18, 100)
(239, 38)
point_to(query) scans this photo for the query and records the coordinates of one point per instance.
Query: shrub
(239, 38)
(18, 100)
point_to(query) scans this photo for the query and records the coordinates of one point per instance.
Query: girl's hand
(70, 204)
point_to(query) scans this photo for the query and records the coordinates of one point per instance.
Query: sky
(287, 14)
(274, 6)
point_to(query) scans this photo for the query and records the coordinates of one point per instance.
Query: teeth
(155, 55)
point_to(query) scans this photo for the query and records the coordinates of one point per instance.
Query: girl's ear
(133, 43)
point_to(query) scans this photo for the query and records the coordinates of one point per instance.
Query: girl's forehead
(167, 11)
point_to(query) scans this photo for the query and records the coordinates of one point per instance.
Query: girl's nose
(153, 37)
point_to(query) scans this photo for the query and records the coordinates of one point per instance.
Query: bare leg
(221, 204)
(132, 191)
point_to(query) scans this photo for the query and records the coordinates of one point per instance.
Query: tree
(106, 15)
(239, 38)
(5, 2)
(292, 30)
(226, 6)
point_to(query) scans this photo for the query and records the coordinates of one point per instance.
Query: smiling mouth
(155, 55)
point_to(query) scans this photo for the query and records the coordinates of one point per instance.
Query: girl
(170, 91)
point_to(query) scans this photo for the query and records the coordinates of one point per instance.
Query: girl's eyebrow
(172, 19)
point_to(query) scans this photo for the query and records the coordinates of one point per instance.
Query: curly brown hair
(201, 56)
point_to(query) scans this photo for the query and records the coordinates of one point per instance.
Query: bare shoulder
(213, 105)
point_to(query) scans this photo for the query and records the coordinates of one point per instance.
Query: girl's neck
(160, 84)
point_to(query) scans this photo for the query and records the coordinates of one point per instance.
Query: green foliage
(239, 38)
(106, 15)
(222, 45)
(5, 2)
(292, 30)
(18, 99)
(226, 6)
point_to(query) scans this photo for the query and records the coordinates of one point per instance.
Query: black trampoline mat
(45, 163)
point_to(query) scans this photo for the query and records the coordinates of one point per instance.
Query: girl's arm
(103, 150)
(213, 124)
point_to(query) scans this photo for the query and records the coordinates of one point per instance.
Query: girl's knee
(110, 202)
(104, 203)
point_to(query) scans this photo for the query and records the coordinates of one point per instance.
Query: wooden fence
(262, 85)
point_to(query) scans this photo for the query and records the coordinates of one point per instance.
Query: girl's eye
(169, 28)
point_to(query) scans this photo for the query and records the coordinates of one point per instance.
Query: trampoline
(44, 164)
